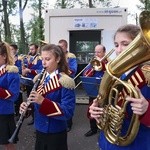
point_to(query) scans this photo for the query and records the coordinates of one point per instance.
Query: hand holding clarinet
(34, 97)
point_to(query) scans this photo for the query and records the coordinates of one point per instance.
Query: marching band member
(72, 65)
(138, 77)
(90, 72)
(32, 68)
(9, 80)
(54, 101)
(18, 63)
(71, 58)
(34, 63)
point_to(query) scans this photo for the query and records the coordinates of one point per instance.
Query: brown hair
(35, 45)
(64, 42)
(5, 51)
(58, 53)
(130, 29)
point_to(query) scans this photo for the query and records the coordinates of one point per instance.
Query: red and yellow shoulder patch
(146, 71)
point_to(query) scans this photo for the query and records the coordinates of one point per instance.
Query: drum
(26, 81)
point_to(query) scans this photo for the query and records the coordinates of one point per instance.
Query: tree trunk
(90, 4)
(6, 22)
(23, 45)
(40, 21)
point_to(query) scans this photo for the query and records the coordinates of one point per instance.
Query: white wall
(107, 41)
(58, 22)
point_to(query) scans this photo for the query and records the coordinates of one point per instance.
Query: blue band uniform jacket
(9, 88)
(72, 64)
(35, 66)
(58, 105)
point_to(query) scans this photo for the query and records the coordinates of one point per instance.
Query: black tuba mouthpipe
(22, 116)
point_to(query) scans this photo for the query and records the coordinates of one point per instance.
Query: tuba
(111, 122)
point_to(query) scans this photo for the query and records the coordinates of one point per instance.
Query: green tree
(5, 20)
(36, 24)
(103, 3)
(68, 4)
(145, 5)
(81, 3)
(10, 8)
(22, 41)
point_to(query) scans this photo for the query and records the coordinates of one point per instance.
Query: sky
(130, 4)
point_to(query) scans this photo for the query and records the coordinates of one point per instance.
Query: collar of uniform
(52, 74)
(126, 73)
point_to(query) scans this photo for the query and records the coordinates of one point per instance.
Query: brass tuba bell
(137, 52)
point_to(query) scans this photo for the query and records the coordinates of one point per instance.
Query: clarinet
(22, 116)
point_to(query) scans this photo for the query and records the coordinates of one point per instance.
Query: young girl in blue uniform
(54, 101)
(138, 77)
(9, 80)
(18, 63)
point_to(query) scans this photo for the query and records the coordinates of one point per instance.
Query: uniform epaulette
(12, 68)
(21, 57)
(146, 71)
(66, 81)
(70, 55)
(39, 57)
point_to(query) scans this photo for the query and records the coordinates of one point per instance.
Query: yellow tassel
(146, 72)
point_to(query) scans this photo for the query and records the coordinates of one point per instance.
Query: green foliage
(145, 5)
(68, 4)
(34, 27)
(12, 7)
(36, 24)
(73, 3)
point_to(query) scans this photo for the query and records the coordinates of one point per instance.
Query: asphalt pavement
(76, 138)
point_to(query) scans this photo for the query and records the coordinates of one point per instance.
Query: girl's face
(49, 61)
(121, 41)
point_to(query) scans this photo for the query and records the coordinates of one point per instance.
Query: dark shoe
(90, 133)
(30, 123)
(68, 129)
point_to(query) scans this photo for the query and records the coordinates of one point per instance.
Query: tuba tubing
(136, 53)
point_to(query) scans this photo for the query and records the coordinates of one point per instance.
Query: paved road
(76, 138)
